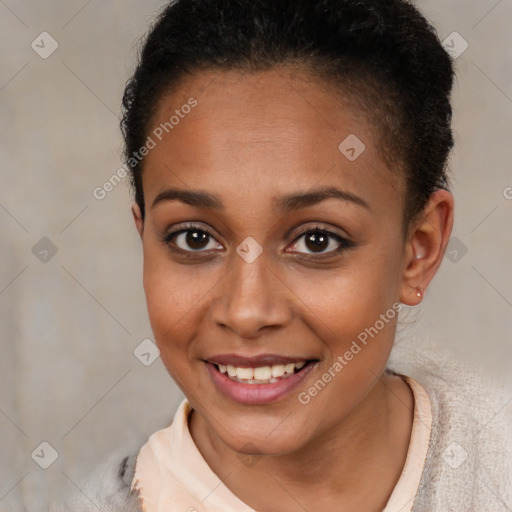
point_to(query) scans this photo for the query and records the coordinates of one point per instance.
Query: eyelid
(319, 227)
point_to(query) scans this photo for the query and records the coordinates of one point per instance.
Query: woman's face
(255, 164)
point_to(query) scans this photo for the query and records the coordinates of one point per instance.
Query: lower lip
(253, 394)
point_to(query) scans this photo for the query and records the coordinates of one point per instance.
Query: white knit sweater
(468, 467)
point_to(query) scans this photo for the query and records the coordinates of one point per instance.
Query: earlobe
(426, 246)
(137, 217)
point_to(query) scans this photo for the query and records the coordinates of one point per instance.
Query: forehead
(261, 134)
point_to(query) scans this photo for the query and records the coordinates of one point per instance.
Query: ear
(137, 217)
(426, 245)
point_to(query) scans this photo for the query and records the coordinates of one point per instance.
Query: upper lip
(254, 361)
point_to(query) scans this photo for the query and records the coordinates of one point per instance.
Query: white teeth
(245, 373)
(289, 368)
(262, 374)
(278, 370)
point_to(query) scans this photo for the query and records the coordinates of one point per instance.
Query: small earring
(419, 293)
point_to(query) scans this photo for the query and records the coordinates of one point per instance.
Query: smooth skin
(250, 139)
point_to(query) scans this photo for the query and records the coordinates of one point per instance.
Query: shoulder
(108, 488)
(469, 459)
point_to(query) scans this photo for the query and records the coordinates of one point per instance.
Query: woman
(288, 160)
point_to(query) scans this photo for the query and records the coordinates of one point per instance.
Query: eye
(191, 238)
(317, 240)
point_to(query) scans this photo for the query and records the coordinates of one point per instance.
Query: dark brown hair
(382, 51)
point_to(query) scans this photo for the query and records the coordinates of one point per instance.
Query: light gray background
(69, 326)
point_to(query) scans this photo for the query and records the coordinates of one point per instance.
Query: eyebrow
(284, 204)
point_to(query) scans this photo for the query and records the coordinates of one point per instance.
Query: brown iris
(318, 241)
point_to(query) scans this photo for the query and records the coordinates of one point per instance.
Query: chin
(257, 441)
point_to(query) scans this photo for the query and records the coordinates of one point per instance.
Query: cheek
(176, 298)
(170, 311)
(353, 310)
(352, 295)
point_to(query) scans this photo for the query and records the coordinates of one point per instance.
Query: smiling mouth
(262, 374)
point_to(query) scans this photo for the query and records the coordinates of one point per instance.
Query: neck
(364, 452)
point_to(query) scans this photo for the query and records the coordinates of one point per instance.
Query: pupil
(196, 239)
(318, 241)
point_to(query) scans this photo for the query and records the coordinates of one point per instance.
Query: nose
(254, 298)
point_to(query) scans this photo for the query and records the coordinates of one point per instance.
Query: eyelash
(344, 243)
